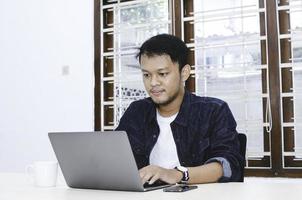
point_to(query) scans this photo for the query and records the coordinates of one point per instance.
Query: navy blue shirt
(203, 130)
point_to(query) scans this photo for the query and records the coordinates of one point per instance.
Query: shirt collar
(184, 111)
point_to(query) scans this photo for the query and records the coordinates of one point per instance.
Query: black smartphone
(180, 188)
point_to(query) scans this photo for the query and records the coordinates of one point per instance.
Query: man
(177, 136)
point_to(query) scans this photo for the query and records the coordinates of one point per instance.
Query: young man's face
(162, 79)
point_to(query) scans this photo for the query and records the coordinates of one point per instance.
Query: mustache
(156, 90)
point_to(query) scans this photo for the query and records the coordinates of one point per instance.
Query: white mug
(43, 173)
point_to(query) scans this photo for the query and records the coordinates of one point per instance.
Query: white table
(17, 186)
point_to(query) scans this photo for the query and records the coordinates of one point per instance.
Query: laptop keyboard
(155, 184)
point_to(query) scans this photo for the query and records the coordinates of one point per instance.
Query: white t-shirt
(164, 153)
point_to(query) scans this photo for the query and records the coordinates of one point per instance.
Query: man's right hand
(153, 173)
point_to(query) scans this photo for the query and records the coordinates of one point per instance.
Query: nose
(154, 81)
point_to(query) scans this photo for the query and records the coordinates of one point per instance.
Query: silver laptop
(98, 160)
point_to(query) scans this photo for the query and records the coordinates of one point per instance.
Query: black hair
(165, 44)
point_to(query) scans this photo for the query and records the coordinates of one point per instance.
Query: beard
(167, 101)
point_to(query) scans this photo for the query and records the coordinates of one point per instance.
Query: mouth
(156, 92)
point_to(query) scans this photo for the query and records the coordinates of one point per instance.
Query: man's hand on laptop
(153, 173)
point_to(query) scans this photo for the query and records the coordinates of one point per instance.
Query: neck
(173, 107)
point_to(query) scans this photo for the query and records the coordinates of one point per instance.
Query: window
(246, 52)
(234, 45)
(125, 25)
(229, 65)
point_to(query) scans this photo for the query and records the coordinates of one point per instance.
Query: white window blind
(296, 40)
(290, 54)
(228, 63)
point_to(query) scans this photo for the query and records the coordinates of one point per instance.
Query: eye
(163, 74)
(146, 75)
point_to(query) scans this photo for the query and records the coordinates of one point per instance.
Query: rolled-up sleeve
(226, 168)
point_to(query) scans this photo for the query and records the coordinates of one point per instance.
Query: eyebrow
(160, 69)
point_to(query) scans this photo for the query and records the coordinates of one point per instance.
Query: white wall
(37, 39)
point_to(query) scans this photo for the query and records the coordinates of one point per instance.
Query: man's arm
(224, 144)
(206, 173)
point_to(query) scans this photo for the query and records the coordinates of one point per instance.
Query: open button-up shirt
(204, 131)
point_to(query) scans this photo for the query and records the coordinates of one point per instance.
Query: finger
(154, 178)
(146, 177)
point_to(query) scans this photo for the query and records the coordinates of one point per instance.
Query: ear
(185, 72)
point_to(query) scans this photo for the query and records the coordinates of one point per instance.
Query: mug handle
(30, 172)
